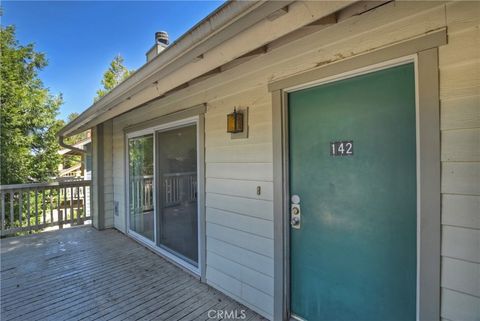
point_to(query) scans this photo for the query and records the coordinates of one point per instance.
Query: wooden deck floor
(85, 274)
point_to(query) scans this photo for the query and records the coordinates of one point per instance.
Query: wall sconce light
(235, 122)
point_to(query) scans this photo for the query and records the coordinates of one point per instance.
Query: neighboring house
(82, 167)
(352, 192)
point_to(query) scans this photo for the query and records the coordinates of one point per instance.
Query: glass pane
(177, 191)
(140, 169)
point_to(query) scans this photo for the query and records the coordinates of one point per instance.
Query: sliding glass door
(162, 190)
(176, 170)
(140, 186)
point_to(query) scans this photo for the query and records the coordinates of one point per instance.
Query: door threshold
(178, 262)
(296, 318)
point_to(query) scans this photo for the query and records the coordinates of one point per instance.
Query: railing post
(36, 208)
(12, 194)
(20, 207)
(65, 204)
(44, 209)
(78, 205)
(60, 219)
(71, 206)
(59, 210)
(3, 211)
(28, 211)
(51, 206)
(84, 203)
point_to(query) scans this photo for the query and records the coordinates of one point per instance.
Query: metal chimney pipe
(161, 37)
(161, 42)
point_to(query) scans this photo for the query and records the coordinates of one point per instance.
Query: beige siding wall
(119, 179)
(105, 211)
(460, 125)
(94, 191)
(108, 173)
(239, 222)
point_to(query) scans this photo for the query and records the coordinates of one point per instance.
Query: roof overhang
(80, 145)
(216, 29)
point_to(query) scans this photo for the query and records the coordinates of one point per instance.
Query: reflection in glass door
(176, 170)
(140, 186)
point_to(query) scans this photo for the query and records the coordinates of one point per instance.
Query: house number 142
(344, 148)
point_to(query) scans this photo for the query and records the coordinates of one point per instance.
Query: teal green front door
(352, 158)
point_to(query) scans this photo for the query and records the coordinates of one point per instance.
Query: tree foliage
(115, 74)
(28, 124)
(72, 160)
(71, 140)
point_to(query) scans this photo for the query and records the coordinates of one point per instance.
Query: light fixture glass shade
(235, 122)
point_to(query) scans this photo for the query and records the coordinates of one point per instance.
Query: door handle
(295, 212)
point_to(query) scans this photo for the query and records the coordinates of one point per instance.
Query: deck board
(84, 274)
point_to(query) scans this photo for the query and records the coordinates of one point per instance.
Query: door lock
(295, 212)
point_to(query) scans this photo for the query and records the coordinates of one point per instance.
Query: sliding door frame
(199, 122)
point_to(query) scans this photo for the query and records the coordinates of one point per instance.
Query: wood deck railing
(33, 207)
(141, 193)
(179, 187)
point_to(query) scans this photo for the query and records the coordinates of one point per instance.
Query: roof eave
(202, 32)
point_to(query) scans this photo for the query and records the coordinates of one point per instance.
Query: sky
(80, 38)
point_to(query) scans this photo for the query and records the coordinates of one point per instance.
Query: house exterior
(353, 191)
(84, 167)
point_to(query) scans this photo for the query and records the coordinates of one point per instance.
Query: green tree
(71, 160)
(71, 140)
(28, 123)
(115, 74)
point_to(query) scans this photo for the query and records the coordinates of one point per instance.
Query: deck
(84, 274)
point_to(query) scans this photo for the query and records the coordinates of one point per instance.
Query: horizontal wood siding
(95, 174)
(108, 174)
(460, 125)
(102, 215)
(461, 210)
(237, 217)
(119, 172)
(239, 232)
(459, 306)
